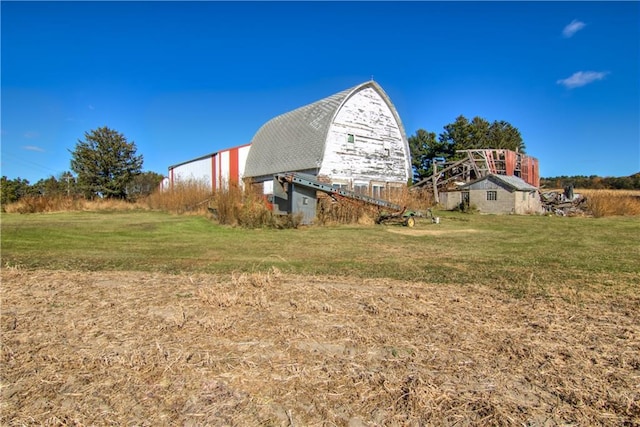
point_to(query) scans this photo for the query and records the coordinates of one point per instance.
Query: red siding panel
(510, 161)
(214, 179)
(234, 168)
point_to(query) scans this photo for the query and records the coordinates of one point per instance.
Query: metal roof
(206, 156)
(193, 160)
(295, 141)
(513, 182)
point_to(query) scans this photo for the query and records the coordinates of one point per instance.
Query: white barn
(353, 139)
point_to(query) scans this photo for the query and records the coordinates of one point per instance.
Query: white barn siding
(243, 153)
(224, 169)
(196, 170)
(165, 184)
(215, 170)
(375, 153)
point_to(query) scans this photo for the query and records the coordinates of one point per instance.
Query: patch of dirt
(129, 348)
(413, 232)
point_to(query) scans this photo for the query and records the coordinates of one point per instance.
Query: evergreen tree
(424, 149)
(105, 163)
(462, 134)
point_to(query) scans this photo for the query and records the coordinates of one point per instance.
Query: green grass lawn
(516, 253)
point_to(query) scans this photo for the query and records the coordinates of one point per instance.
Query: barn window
(362, 189)
(492, 195)
(376, 191)
(351, 138)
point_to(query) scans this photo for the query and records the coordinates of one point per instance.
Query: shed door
(465, 198)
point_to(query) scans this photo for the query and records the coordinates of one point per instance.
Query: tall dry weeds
(604, 203)
(341, 211)
(190, 196)
(418, 199)
(46, 204)
(233, 205)
(248, 208)
(346, 211)
(41, 204)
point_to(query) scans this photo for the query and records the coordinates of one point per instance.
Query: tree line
(594, 182)
(106, 165)
(66, 185)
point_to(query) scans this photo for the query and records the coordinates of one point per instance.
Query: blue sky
(184, 79)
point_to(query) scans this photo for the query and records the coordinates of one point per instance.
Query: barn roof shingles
(295, 141)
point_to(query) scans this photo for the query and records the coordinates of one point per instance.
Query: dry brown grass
(344, 211)
(184, 197)
(247, 208)
(124, 348)
(603, 203)
(233, 206)
(42, 204)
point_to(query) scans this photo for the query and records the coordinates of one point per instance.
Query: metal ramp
(295, 198)
(309, 182)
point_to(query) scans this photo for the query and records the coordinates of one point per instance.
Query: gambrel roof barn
(355, 139)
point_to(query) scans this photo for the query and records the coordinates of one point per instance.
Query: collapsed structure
(478, 163)
(499, 173)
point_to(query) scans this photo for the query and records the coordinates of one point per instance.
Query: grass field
(496, 251)
(145, 318)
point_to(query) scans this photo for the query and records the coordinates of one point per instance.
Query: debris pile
(564, 203)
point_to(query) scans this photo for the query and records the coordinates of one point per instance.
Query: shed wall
(450, 199)
(504, 203)
(527, 202)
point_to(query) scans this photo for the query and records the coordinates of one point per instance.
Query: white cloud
(582, 78)
(31, 134)
(573, 28)
(33, 148)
